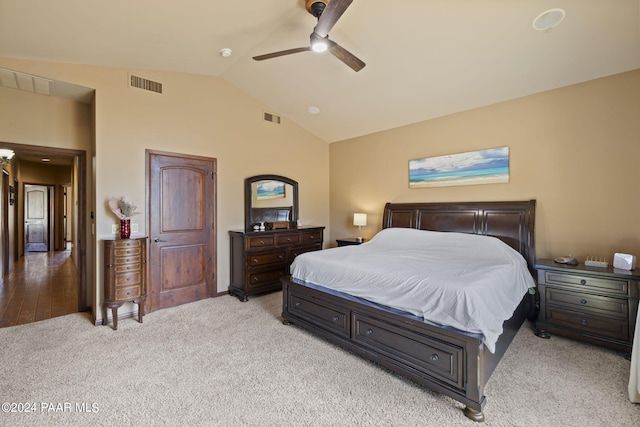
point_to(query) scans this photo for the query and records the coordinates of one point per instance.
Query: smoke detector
(548, 19)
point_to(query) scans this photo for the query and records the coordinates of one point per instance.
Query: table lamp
(359, 219)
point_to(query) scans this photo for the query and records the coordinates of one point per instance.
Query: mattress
(469, 282)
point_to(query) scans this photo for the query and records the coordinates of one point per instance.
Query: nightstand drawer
(588, 323)
(593, 283)
(588, 302)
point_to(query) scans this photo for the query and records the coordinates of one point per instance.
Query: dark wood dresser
(260, 258)
(592, 304)
(125, 266)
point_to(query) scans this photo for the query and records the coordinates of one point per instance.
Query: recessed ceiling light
(549, 19)
(46, 159)
(225, 52)
(313, 110)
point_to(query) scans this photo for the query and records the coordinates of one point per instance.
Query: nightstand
(596, 305)
(350, 241)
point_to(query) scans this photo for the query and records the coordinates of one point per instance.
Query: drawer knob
(280, 257)
(336, 318)
(583, 322)
(369, 331)
(255, 260)
(262, 242)
(297, 303)
(583, 282)
(288, 239)
(583, 301)
(434, 357)
(312, 237)
(255, 279)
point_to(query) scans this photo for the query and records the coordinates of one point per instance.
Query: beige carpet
(223, 362)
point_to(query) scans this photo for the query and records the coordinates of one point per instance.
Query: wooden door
(181, 217)
(36, 218)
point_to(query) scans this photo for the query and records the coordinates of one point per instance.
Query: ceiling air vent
(146, 84)
(268, 117)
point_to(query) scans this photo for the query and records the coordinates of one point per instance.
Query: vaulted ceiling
(424, 58)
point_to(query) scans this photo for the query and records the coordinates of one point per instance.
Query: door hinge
(213, 175)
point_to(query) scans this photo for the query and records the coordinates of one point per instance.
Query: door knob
(158, 240)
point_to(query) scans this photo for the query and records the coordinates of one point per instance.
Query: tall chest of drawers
(125, 262)
(260, 258)
(596, 305)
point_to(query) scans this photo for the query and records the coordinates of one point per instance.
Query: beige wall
(574, 149)
(199, 115)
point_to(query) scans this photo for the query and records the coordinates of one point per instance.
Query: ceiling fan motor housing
(316, 7)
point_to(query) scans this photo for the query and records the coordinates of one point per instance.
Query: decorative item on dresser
(592, 304)
(260, 259)
(125, 267)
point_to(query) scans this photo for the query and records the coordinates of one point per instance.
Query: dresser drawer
(300, 250)
(267, 241)
(260, 259)
(124, 268)
(288, 239)
(334, 319)
(588, 323)
(123, 260)
(257, 280)
(311, 237)
(588, 302)
(128, 279)
(127, 293)
(426, 354)
(127, 251)
(615, 286)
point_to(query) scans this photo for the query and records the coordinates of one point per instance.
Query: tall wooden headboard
(511, 222)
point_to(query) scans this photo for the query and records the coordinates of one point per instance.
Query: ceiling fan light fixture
(319, 44)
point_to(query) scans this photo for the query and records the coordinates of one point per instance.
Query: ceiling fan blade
(347, 57)
(281, 53)
(330, 16)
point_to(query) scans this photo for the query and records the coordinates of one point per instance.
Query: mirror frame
(248, 208)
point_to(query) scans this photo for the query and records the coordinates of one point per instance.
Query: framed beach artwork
(475, 167)
(270, 190)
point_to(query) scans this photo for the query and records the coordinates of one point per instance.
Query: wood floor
(41, 286)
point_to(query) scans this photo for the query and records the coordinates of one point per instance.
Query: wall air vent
(146, 84)
(268, 117)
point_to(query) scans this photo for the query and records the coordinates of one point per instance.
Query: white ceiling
(425, 58)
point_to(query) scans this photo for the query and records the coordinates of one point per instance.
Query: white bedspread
(470, 282)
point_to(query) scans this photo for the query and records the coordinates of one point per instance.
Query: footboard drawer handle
(297, 304)
(434, 357)
(583, 322)
(583, 301)
(336, 318)
(369, 331)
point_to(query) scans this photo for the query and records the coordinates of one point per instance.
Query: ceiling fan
(328, 12)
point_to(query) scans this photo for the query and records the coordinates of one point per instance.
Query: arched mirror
(271, 200)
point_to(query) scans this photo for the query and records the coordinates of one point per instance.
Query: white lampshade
(360, 219)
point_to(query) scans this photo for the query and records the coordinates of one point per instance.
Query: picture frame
(490, 166)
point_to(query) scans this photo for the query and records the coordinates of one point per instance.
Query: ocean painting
(475, 167)
(270, 190)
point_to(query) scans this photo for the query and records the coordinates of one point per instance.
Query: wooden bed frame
(445, 360)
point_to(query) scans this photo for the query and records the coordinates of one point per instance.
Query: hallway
(43, 285)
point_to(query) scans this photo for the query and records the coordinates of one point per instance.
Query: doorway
(71, 258)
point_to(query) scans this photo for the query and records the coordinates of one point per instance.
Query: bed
(444, 358)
